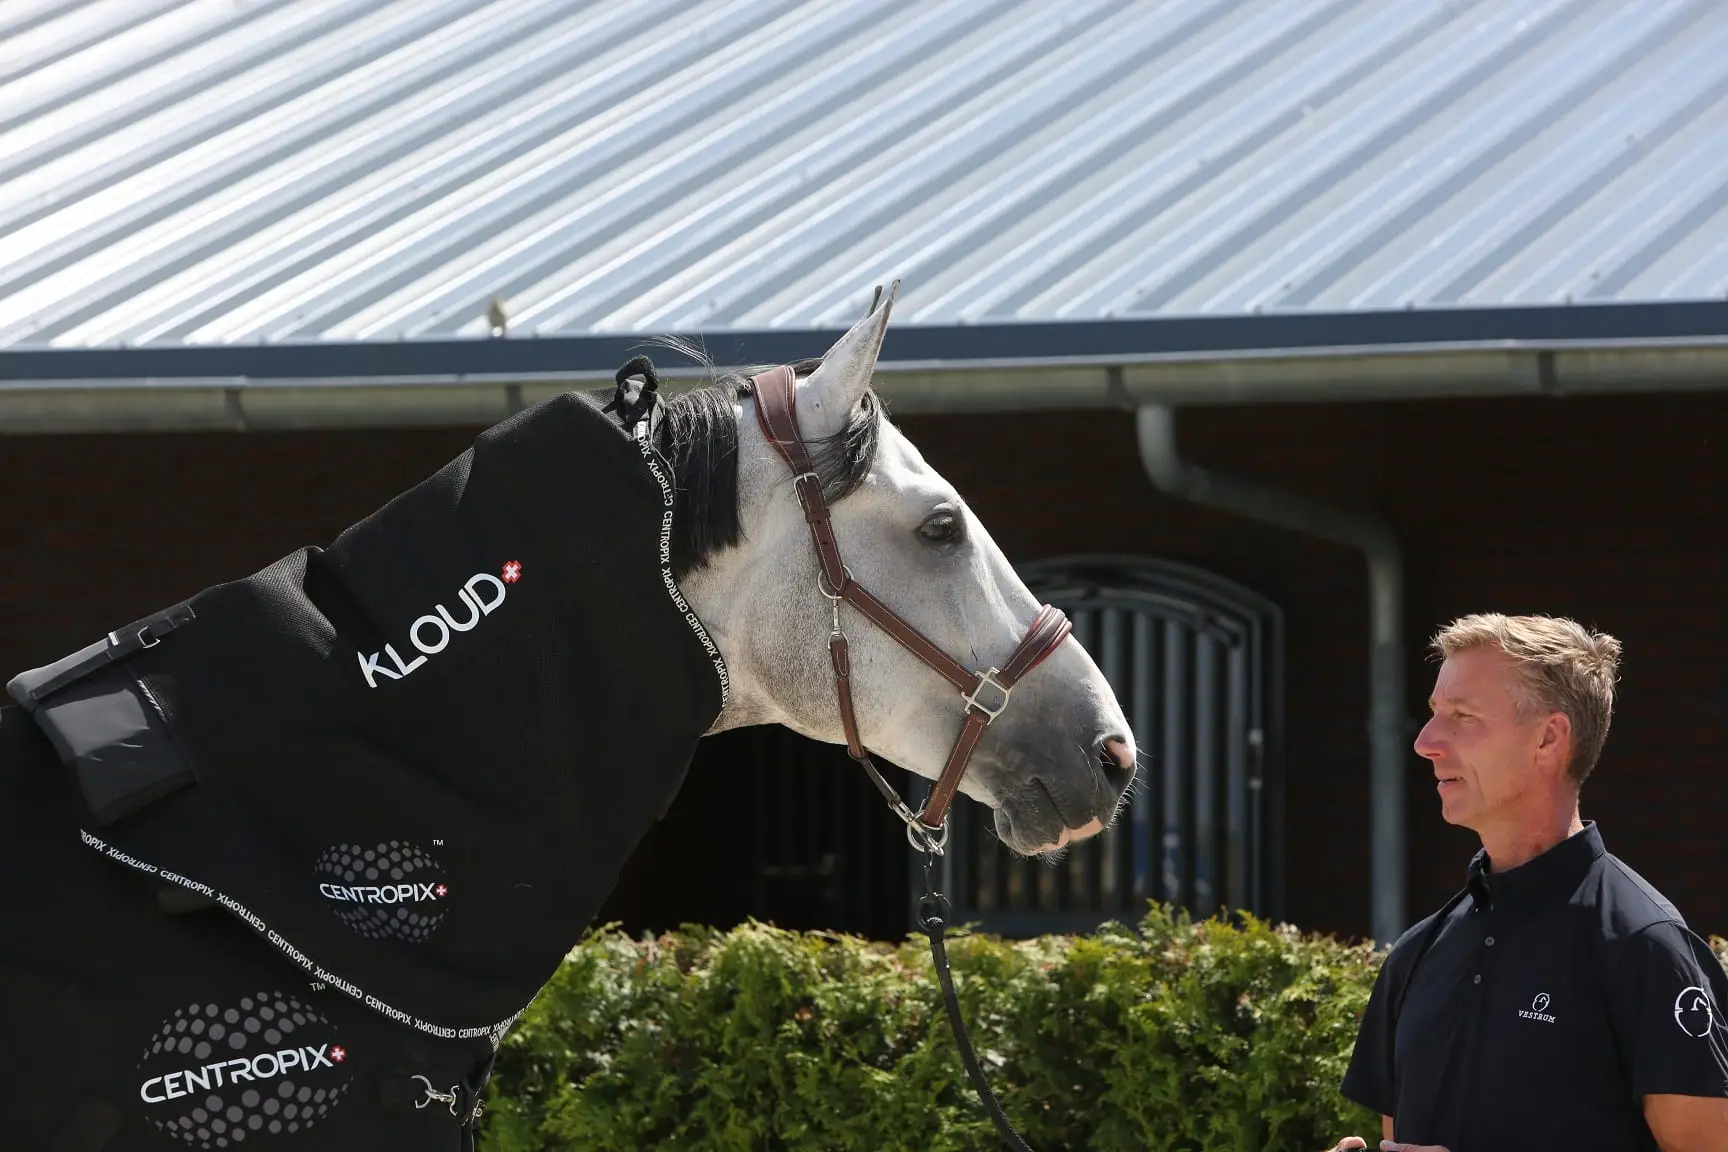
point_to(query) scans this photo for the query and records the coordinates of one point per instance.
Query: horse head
(1056, 761)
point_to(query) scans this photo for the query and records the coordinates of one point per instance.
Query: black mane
(698, 435)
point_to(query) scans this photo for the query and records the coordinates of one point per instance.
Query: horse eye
(940, 528)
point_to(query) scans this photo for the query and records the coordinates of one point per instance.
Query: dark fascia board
(1094, 341)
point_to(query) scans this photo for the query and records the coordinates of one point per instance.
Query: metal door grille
(1196, 661)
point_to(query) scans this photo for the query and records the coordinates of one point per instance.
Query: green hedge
(1181, 1035)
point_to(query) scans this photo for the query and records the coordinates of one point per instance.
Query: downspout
(1169, 473)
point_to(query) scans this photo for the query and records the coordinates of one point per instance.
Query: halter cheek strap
(984, 695)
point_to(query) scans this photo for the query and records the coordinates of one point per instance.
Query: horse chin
(1042, 803)
(1037, 830)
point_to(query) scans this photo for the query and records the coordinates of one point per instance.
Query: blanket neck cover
(415, 761)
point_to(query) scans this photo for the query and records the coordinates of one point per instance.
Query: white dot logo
(1694, 1012)
(389, 889)
(214, 1075)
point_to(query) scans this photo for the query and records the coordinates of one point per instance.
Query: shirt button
(1478, 977)
(1490, 941)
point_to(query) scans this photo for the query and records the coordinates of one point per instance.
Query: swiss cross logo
(338, 1053)
(512, 571)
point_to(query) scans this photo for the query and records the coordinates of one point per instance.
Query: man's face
(1487, 765)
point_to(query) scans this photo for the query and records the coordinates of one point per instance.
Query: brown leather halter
(776, 413)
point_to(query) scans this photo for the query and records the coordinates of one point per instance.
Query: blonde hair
(1562, 667)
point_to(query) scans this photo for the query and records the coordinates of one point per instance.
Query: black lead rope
(933, 925)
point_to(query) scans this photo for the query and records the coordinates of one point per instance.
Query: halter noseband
(985, 694)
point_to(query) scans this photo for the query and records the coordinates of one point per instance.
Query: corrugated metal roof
(247, 171)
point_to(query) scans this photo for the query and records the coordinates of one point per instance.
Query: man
(1558, 1001)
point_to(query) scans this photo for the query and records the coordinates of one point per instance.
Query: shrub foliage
(1180, 1035)
(1177, 1035)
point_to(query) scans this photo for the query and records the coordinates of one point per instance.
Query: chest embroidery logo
(1538, 1009)
(1694, 1012)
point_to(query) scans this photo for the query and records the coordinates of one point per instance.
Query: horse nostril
(1116, 758)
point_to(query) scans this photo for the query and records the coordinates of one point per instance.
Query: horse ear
(826, 399)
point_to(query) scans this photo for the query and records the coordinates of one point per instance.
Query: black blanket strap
(31, 688)
(933, 924)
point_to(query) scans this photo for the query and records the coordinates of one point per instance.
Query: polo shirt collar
(1550, 877)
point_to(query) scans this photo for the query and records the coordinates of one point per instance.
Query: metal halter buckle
(988, 678)
(822, 582)
(798, 488)
(926, 840)
(921, 836)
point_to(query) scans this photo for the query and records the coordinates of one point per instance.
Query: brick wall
(1606, 508)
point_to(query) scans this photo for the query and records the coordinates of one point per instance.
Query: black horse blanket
(286, 848)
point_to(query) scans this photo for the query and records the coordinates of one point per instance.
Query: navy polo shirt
(1538, 1008)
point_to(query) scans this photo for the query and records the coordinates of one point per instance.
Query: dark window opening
(771, 826)
(1197, 662)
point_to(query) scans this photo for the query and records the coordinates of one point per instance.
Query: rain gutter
(57, 403)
